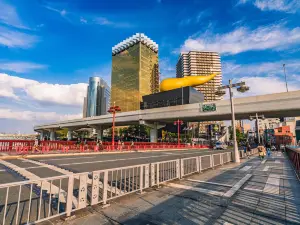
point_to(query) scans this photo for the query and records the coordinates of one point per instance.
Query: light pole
(286, 85)
(241, 87)
(257, 125)
(113, 111)
(178, 123)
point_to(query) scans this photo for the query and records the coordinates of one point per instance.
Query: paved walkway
(254, 192)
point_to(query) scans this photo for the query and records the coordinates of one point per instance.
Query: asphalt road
(75, 164)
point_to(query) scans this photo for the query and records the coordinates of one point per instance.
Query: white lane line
(237, 186)
(245, 168)
(46, 160)
(264, 161)
(201, 190)
(277, 161)
(2, 170)
(266, 168)
(272, 185)
(207, 182)
(114, 160)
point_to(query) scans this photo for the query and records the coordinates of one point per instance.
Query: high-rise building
(98, 97)
(196, 63)
(84, 113)
(134, 71)
(268, 123)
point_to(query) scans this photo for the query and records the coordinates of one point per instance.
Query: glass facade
(98, 97)
(134, 74)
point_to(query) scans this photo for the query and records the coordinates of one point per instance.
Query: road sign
(208, 107)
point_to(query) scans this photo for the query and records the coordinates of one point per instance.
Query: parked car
(220, 146)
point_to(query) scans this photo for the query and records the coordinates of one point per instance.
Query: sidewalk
(253, 192)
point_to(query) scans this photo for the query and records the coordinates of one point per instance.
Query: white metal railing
(37, 200)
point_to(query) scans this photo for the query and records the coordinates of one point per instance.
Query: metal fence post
(152, 175)
(177, 168)
(82, 196)
(70, 195)
(221, 159)
(95, 188)
(212, 161)
(157, 174)
(198, 164)
(181, 168)
(105, 180)
(141, 179)
(146, 176)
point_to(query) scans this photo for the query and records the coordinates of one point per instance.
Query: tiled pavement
(270, 195)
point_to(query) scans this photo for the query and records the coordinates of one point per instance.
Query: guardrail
(37, 200)
(27, 146)
(293, 152)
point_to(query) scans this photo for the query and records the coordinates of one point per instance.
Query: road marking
(277, 161)
(245, 168)
(237, 186)
(207, 182)
(201, 190)
(272, 185)
(114, 160)
(45, 185)
(266, 168)
(88, 157)
(264, 161)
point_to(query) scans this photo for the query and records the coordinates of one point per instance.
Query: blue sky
(49, 48)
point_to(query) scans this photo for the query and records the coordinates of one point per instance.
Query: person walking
(261, 151)
(268, 147)
(248, 146)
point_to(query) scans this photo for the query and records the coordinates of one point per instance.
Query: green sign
(209, 107)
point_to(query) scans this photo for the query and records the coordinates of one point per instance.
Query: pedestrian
(131, 144)
(268, 147)
(248, 150)
(261, 151)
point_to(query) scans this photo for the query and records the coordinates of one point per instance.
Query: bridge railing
(293, 152)
(28, 146)
(37, 200)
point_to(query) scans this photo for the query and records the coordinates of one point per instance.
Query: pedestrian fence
(37, 200)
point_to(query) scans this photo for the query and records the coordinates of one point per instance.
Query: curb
(88, 153)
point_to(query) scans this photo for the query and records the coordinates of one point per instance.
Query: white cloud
(21, 67)
(288, 6)
(9, 16)
(15, 39)
(71, 94)
(265, 68)
(106, 22)
(243, 39)
(263, 85)
(34, 116)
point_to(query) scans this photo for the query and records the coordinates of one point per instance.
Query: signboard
(208, 107)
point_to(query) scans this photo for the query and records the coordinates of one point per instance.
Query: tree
(240, 137)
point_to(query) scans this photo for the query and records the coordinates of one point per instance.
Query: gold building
(134, 71)
(202, 63)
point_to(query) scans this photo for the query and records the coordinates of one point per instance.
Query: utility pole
(286, 85)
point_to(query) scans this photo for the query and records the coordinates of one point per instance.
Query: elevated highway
(285, 104)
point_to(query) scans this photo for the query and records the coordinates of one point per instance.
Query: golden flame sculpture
(189, 81)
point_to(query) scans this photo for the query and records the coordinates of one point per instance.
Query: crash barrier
(37, 200)
(293, 152)
(26, 147)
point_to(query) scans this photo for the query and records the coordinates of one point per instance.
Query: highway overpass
(285, 104)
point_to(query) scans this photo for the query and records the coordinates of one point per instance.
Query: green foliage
(240, 137)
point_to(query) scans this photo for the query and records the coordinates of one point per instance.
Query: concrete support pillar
(52, 135)
(153, 135)
(99, 131)
(69, 135)
(42, 135)
(154, 127)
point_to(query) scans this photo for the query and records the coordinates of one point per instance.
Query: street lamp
(113, 111)
(178, 123)
(257, 127)
(286, 85)
(241, 87)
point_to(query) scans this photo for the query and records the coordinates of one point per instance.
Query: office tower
(196, 63)
(134, 71)
(98, 97)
